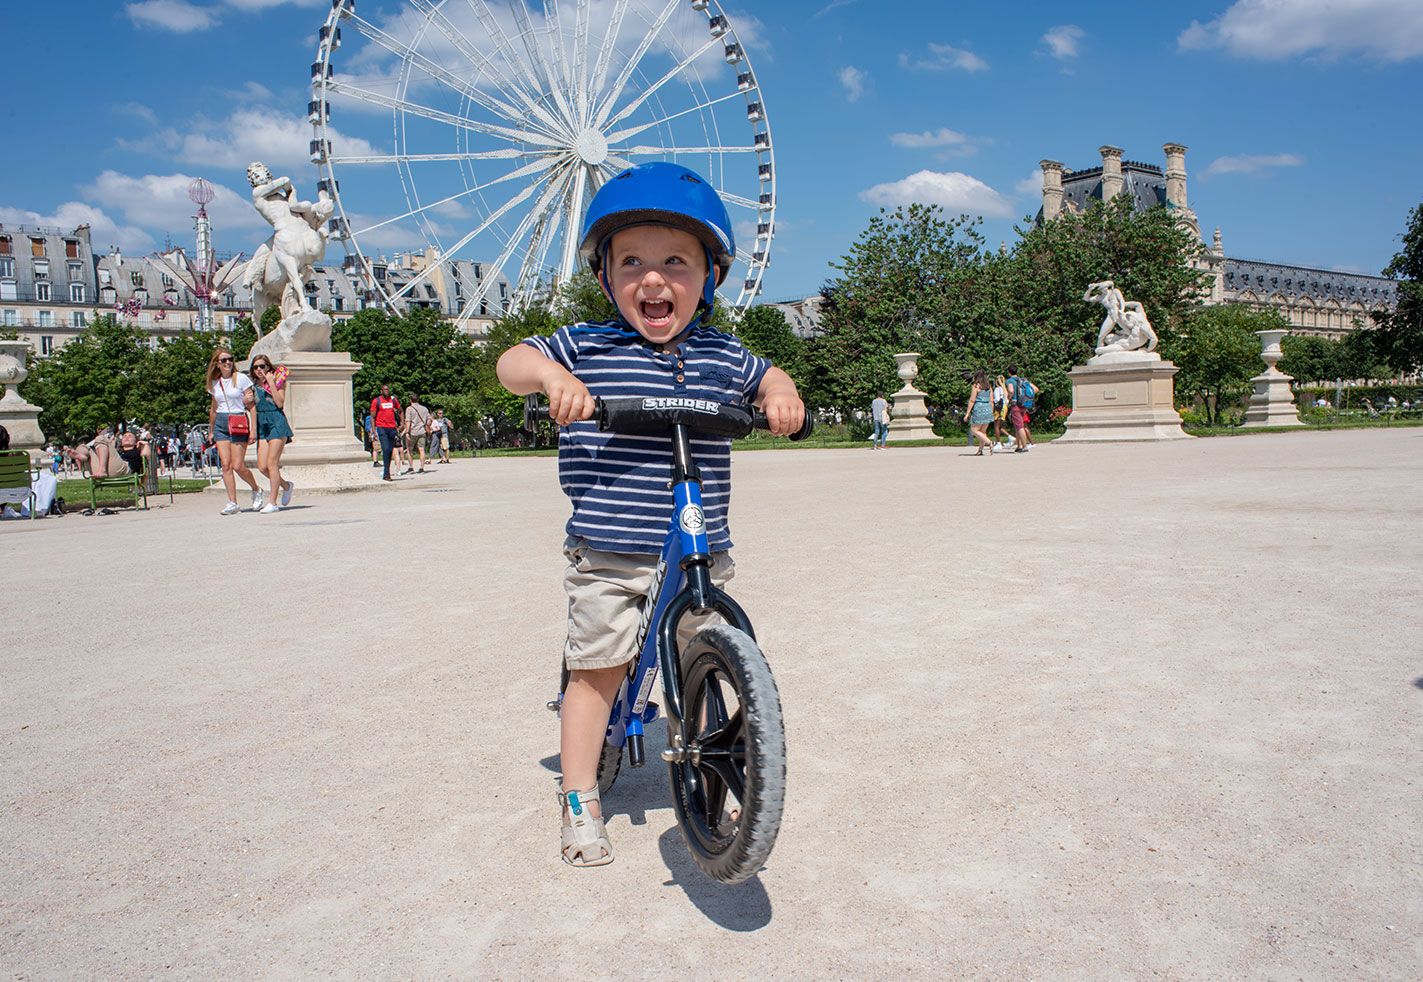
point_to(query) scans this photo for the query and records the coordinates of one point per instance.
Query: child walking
(659, 241)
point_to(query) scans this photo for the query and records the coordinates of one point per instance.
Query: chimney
(1052, 189)
(1175, 174)
(1112, 182)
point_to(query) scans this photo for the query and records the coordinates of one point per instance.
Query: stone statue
(1125, 328)
(282, 265)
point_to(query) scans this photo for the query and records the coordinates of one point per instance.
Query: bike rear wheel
(729, 783)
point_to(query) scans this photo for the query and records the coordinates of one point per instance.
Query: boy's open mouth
(656, 313)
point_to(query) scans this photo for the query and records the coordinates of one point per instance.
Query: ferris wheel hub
(591, 146)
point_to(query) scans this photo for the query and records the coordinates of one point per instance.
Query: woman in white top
(232, 422)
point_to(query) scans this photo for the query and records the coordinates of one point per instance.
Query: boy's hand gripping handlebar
(652, 415)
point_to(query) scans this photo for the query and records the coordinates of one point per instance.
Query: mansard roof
(1293, 282)
(1145, 183)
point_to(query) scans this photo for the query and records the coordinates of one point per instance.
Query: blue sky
(1300, 115)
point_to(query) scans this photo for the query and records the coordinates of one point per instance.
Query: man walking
(386, 410)
(1024, 396)
(417, 432)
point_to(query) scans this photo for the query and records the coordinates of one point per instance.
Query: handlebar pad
(652, 415)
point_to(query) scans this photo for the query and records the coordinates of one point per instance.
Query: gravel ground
(1094, 711)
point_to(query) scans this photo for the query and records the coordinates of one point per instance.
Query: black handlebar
(653, 415)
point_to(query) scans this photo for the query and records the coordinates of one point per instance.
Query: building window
(141, 295)
(136, 277)
(77, 318)
(46, 318)
(76, 271)
(4, 245)
(167, 280)
(12, 318)
(76, 293)
(41, 269)
(42, 291)
(7, 266)
(105, 278)
(108, 295)
(230, 322)
(71, 248)
(484, 308)
(46, 344)
(7, 289)
(229, 299)
(36, 246)
(338, 303)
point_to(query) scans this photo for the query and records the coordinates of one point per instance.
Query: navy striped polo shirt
(620, 484)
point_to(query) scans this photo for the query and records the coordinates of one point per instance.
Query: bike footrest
(635, 754)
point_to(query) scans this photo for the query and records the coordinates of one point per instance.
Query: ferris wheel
(498, 122)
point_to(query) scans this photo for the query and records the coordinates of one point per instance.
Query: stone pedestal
(1272, 403)
(324, 454)
(1123, 397)
(20, 418)
(908, 419)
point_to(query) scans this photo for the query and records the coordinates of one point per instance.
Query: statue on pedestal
(1125, 328)
(282, 265)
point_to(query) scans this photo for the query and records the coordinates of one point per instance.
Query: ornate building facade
(1314, 301)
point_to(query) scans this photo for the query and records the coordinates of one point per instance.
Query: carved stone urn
(909, 420)
(18, 417)
(1272, 403)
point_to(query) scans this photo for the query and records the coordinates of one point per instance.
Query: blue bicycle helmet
(660, 193)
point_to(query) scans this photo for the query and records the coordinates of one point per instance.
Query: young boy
(659, 240)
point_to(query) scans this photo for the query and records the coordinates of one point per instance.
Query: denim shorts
(219, 430)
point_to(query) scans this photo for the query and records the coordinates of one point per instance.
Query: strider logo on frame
(676, 402)
(692, 520)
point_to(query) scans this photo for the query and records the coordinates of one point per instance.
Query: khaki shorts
(415, 442)
(606, 591)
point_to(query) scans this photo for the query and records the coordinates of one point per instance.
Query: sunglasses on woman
(262, 367)
(224, 361)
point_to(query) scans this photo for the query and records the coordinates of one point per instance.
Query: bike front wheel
(729, 773)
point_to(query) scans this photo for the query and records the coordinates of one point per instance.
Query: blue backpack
(1025, 394)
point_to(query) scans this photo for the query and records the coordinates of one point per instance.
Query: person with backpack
(1023, 396)
(387, 412)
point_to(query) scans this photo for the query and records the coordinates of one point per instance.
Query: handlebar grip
(760, 421)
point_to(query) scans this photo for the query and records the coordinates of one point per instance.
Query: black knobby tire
(610, 764)
(742, 755)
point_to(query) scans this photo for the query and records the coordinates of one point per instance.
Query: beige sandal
(585, 839)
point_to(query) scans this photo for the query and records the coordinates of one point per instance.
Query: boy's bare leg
(587, 704)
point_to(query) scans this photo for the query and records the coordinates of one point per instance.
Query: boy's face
(657, 274)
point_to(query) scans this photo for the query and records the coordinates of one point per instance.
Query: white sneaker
(271, 509)
(259, 498)
(287, 493)
(232, 508)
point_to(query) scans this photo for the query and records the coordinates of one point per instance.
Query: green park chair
(142, 485)
(15, 487)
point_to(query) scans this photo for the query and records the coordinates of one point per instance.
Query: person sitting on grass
(659, 241)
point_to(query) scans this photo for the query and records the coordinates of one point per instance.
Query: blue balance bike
(726, 743)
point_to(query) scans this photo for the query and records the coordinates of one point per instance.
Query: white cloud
(178, 16)
(1032, 184)
(832, 5)
(1062, 41)
(954, 191)
(103, 230)
(942, 137)
(853, 82)
(280, 140)
(159, 202)
(943, 57)
(1251, 163)
(1391, 30)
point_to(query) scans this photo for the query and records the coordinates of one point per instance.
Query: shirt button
(681, 378)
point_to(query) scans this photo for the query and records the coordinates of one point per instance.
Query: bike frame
(680, 586)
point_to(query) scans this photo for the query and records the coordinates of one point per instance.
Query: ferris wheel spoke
(578, 77)
(644, 151)
(620, 164)
(648, 92)
(439, 116)
(533, 88)
(635, 130)
(497, 267)
(536, 256)
(395, 158)
(469, 236)
(736, 199)
(525, 171)
(605, 50)
(626, 73)
(552, 82)
(438, 72)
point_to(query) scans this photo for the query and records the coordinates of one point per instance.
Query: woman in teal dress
(980, 410)
(273, 430)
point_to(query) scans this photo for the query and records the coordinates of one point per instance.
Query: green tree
(1218, 353)
(419, 353)
(495, 400)
(1310, 358)
(764, 330)
(169, 386)
(1400, 335)
(89, 382)
(582, 299)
